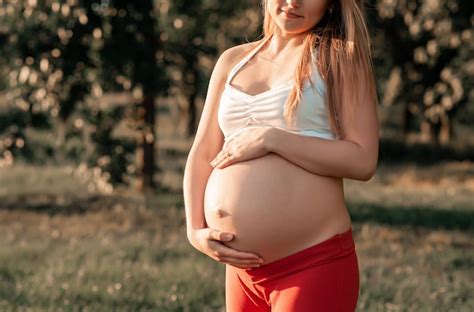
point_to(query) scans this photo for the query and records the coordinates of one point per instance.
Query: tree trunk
(147, 143)
(192, 114)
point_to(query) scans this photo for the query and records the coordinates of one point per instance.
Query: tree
(428, 43)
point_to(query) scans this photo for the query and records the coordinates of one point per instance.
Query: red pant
(321, 278)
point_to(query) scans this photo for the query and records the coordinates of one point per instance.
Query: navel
(218, 213)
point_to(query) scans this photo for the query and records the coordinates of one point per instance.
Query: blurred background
(99, 103)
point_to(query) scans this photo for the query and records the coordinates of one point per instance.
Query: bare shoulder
(230, 57)
(226, 61)
(209, 137)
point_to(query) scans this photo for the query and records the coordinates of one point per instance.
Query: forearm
(338, 158)
(196, 174)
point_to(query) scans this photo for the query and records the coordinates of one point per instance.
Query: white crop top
(239, 110)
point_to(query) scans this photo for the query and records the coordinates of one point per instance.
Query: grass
(118, 259)
(66, 248)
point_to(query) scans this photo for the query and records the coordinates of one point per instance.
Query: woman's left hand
(251, 143)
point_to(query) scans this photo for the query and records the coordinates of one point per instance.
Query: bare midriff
(274, 207)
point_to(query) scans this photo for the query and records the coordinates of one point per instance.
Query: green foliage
(425, 46)
(60, 58)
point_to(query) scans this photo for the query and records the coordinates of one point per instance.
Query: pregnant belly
(274, 207)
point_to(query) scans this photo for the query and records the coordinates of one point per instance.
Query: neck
(284, 43)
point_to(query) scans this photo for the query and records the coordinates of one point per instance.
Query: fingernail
(228, 236)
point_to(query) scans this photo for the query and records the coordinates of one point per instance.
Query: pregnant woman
(286, 118)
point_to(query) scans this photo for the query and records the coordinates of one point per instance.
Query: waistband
(333, 248)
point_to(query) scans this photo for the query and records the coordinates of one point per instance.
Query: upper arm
(209, 138)
(360, 123)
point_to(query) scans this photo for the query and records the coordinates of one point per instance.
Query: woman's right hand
(209, 241)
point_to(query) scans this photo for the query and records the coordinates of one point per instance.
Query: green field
(66, 247)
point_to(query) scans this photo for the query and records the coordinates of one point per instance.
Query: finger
(240, 261)
(222, 164)
(213, 161)
(227, 161)
(224, 159)
(218, 235)
(244, 266)
(220, 156)
(223, 251)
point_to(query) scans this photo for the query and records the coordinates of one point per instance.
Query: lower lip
(291, 16)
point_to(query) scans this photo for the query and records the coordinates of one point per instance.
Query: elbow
(366, 175)
(367, 172)
(364, 165)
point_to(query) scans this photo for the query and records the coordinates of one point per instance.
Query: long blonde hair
(344, 60)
